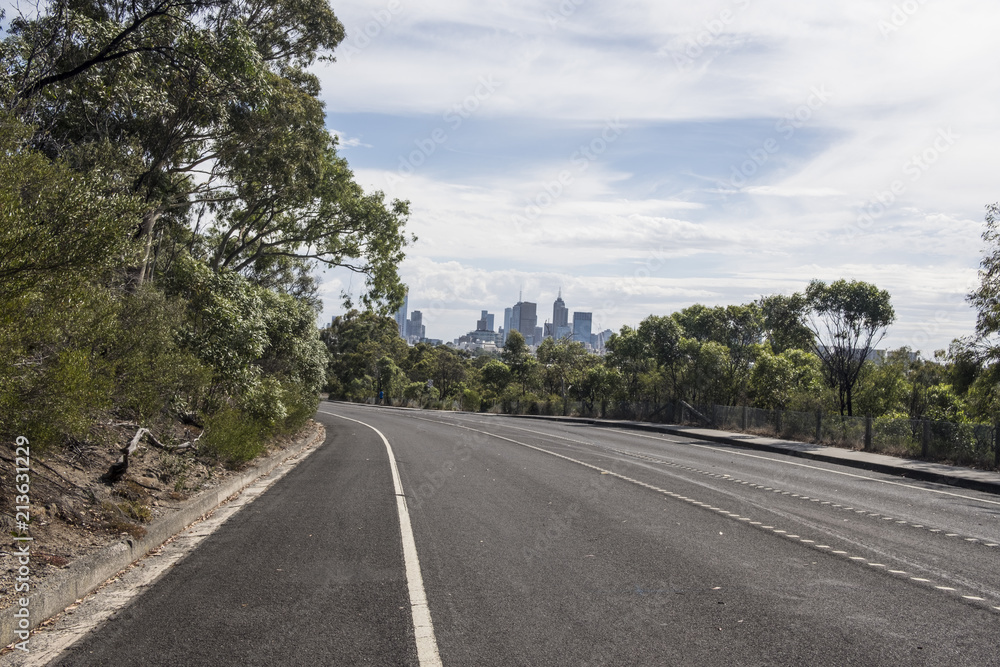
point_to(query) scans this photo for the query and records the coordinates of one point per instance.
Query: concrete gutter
(969, 478)
(61, 589)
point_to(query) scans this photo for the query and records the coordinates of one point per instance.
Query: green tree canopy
(848, 318)
(205, 111)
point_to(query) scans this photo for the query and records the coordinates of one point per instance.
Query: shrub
(233, 437)
(471, 400)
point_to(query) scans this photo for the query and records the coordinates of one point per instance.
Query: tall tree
(663, 337)
(517, 356)
(628, 353)
(784, 322)
(743, 331)
(986, 298)
(848, 318)
(207, 111)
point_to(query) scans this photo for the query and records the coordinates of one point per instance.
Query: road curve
(547, 543)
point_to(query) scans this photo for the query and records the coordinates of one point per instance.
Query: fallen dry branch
(119, 467)
(174, 448)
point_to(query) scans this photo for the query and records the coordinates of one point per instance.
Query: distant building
(527, 321)
(600, 339)
(416, 330)
(485, 322)
(560, 313)
(508, 316)
(400, 316)
(538, 337)
(582, 323)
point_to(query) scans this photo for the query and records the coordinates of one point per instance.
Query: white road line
(423, 628)
(805, 465)
(784, 533)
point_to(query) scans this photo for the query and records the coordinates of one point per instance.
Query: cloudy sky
(647, 155)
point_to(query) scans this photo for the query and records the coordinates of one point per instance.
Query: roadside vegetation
(167, 188)
(810, 351)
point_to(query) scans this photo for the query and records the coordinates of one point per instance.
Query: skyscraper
(560, 313)
(485, 323)
(508, 317)
(582, 323)
(401, 315)
(560, 319)
(527, 320)
(417, 329)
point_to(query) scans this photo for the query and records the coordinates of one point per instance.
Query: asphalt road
(547, 543)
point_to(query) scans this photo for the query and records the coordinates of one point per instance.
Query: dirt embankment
(76, 509)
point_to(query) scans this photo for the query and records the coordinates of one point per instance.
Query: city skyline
(650, 156)
(521, 316)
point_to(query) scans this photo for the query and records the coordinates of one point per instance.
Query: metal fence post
(777, 422)
(926, 442)
(743, 421)
(868, 431)
(819, 426)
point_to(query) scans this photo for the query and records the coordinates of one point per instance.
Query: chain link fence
(961, 444)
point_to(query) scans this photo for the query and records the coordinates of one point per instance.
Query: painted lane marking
(812, 467)
(729, 477)
(692, 501)
(423, 628)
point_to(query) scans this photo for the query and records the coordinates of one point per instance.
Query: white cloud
(344, 141)
(854, 179)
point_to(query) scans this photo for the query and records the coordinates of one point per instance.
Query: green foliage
(784, 322)
(233, 437)
(72, 356)
(167, 183)
(471, 401)
(849, 320)
(791, 380)
(986, 298)
(628, 354)
(57, 227)
(518, 358)
(357, 343)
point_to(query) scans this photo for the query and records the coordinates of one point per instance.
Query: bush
(233, 437)
(471, 400)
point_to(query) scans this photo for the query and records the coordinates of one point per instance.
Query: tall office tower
(490, 320)
(560, 313)
(508, 316)
(582, 323)
(539, 336)
(515, 318)
(527, 320)
(416, 325)
(485, 323)
(401, 315)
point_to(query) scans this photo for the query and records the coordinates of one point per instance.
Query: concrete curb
(87, 573)
(966, 478)
(904, 468)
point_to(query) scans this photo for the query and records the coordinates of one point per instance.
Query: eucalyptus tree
(849, 319)
(629, 355)
(986, 297)
(206, 111)
(784, 322)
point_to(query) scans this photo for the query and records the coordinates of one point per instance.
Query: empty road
(546, 543)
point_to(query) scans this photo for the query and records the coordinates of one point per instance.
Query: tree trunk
(143, 272)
